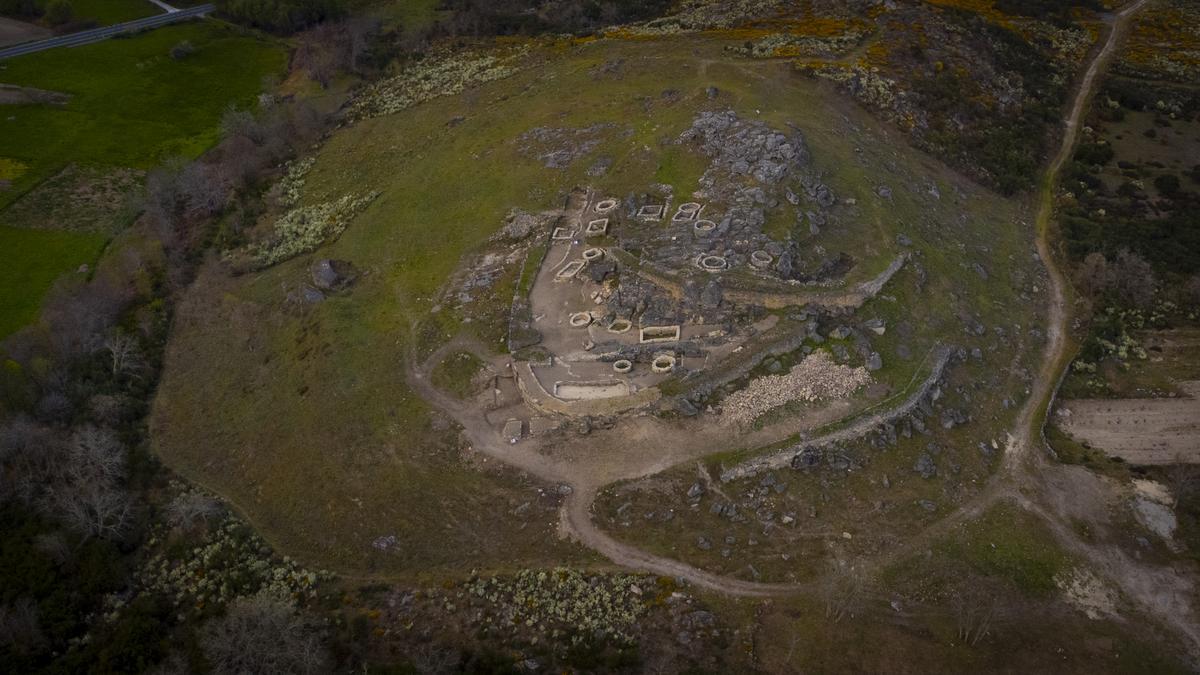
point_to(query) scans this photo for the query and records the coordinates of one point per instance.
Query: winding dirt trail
(1028, 432)
(1025, 475)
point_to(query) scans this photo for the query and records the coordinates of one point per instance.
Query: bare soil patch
(13, 32)
(80, 198)
(1139, 430)
(11, 94)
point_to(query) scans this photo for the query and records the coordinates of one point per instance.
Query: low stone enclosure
(611, 326)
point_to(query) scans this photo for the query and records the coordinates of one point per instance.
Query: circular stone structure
(593, 254)
(580, 320)
(606, 205)
(760, 258)
(663, 363)
(622, 365)
(711, 263)
(620, 326)
(703, 227)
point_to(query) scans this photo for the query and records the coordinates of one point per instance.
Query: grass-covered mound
(300, 412)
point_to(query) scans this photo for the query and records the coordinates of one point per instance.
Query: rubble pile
(815, 378)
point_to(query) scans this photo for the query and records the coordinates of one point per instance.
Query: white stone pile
(815, 378)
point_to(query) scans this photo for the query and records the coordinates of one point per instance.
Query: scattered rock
(874, 362)
(925, 466)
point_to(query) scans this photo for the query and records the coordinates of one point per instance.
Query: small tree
(20, 629)
(843, 592)
(237, 122)
(262, 634)
(1191, 290)
(204, 191)
(91, 509)
(94, 456)
(975, 611)
(1167, 184)
(1093, 275)
(1133, 279)
(125, 356)
(191, 508)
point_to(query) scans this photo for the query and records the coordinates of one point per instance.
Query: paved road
(99, 34)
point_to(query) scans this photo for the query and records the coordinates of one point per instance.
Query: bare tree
(95, 455)
(28, 450)
(191, 508)
(1191, 290)
(20, 629)
(55, 407)
(91, 509)
(262, 634)
(163, 201)
(204, 190)
(1183, 479)
(81, 487)
(1093, 275)
(108, 409)
(125, 355)
(1133, 279)
(79, 316)
(975, 611)
(237, 122)
(54, 546)
(843, 592)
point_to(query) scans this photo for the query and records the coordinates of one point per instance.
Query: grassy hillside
(292, 394)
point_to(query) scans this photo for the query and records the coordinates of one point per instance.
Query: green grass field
(30, 261)
(132, 106)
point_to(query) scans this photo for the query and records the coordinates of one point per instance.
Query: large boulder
(333, 275)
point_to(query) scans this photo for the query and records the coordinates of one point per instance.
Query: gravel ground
(815, 378)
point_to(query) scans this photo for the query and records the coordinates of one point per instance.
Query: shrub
(1094, 153)
(262, 634)
(182, 50)
(1167, 184)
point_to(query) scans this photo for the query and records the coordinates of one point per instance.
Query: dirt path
(1028, 432)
